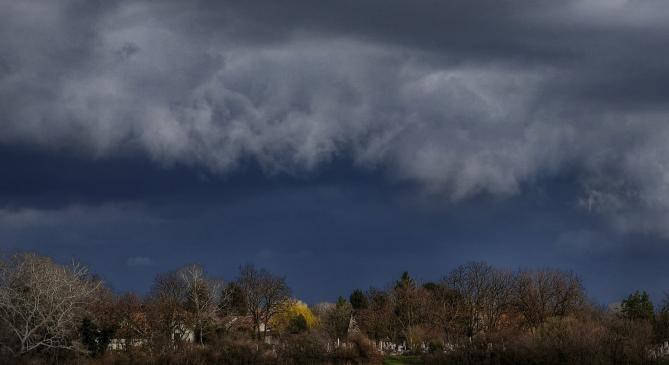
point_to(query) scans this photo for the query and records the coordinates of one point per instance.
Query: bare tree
(202, 297)
(337, 319)
(485, 293)
(265, 295)
(443, 307)
(130, 320)
(541, 294)
(41, 302)
(378, 321)
(166, 313)
(409, 300)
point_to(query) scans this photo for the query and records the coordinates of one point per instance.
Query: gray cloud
(75, 225)
(461, 97)
(139, 261)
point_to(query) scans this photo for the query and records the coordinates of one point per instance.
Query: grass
(402, 360)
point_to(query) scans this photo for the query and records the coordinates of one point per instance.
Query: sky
(338, 142)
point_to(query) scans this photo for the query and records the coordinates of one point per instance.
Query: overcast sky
(339, 142)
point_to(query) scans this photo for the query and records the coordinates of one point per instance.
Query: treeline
(477, 314)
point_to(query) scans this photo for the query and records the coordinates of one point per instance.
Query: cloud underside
(461, 98)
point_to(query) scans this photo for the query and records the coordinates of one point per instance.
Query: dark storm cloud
(461, 97)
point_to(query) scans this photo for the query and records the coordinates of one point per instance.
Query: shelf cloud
(459, 97)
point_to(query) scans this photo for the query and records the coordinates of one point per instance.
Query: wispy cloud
(135, 261)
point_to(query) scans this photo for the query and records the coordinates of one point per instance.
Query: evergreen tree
(638, 307)
(94, 339)
(358, 300)
(661, 325)
(234, 301)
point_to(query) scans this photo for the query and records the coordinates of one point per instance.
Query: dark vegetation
(476, 314)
